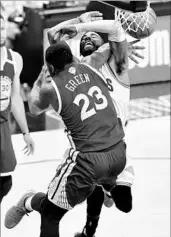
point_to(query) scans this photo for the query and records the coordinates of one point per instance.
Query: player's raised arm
(117, 39)
(17, 106)
(42, 93)
(54, 34)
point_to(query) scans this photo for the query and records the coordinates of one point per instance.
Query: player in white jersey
(120, 94)
(119, 91)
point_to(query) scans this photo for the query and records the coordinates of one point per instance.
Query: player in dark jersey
(89, 43)
(10, 99)
(79, 94)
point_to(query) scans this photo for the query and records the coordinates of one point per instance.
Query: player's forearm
(18, 111)
(37, 101)
(65, 23)
(53, 33)
(103, 26)
(34, 100)
(100, 56)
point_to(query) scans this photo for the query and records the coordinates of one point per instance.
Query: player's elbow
(33, 107)
(33, 110)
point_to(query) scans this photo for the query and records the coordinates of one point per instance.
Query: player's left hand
(91, 16)
(132, 51)
(30, 146)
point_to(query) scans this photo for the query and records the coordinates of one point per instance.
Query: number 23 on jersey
(93, 92)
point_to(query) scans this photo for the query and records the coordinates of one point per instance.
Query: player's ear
(50, 69)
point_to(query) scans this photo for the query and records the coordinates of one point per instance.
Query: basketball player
(79, 94)
(10, 99)
(38, 201)
(121, 94)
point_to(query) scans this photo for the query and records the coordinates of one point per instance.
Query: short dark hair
(58, 55)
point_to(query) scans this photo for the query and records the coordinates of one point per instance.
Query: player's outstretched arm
(17, 106)
(42, 93)
(103, 26)
(54, 34)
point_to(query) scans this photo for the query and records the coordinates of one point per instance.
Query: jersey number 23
(87, 112)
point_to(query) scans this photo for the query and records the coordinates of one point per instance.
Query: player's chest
(6, 79)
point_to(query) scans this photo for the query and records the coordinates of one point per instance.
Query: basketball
(137, 24)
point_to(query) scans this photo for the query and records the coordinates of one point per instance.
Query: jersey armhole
(13, 60)
(113, 74)
(58, 96)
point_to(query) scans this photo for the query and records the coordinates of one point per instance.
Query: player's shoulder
(16, 56)
(17, 60)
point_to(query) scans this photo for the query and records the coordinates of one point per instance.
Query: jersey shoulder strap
(11, 59)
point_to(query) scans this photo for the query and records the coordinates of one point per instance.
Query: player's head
(90, 42)
(3, 33)
(57, 56)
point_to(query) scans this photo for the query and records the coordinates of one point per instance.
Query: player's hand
(132, 51)
(55, 36)
(91, 16)
(30, 146)
(69, 31)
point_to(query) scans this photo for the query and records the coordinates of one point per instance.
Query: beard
(86, 52)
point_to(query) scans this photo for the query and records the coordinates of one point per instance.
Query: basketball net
(129, 19)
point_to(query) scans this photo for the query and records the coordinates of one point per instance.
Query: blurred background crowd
(26, 28)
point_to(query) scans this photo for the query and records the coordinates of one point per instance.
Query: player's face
(90, 42)
(3, 33)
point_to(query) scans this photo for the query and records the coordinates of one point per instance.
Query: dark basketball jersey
(7, 156)
(6, 79)
(87, 109)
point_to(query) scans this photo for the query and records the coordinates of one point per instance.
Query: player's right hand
(30, 146)
(132, 51)
(70, 31)
(91, 16)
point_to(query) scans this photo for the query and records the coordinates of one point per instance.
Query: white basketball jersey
(119, 92)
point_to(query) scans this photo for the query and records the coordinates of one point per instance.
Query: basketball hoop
(129, 19)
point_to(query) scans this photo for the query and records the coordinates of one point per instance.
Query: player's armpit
(99, 57)
(120, 56)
